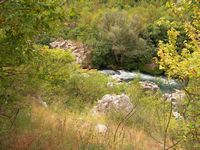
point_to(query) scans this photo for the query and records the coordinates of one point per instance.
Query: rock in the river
(80, 51)
(101, 128)
(120, 103)
(149, 86)
(175, 97)
(122, 75)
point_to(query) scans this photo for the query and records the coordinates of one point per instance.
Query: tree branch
(130, 114)
(168, 121)
(174, 144)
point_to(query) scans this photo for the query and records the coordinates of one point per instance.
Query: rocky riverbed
(171, 89)
(165, 85)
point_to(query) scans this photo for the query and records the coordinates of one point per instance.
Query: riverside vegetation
(46, 98)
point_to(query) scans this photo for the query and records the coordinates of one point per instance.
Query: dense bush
(118, 41)
(184, 65)
(120, 46)
(154, 33)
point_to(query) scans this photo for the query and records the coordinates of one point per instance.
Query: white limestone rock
(101, 128)
(120, 103)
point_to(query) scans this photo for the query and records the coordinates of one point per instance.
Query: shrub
(119, 41)
(89, 87)
(154, 33)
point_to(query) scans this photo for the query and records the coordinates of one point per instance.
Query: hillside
(99, 75)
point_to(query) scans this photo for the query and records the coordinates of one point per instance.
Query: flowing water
(166, 85)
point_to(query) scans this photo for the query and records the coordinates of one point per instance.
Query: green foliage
(55, 73)
(22, 23)
(118, 38)
(123, 34)
(153, 33)
(121, 46)
(55, 66)
(182, 65)
(185, 66)
(158, 32)
(150, 68)
(90, 87)
(150, 113)
(73, 15)
(192, 116)
(179, 60)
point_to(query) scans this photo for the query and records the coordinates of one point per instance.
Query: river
(166, 85)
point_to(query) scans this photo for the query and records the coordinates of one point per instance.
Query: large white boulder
(120, 103)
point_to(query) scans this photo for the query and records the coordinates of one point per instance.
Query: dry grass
(70, 131)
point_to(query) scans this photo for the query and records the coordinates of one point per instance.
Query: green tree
(22, 24)
(185, 65)
(120, 38)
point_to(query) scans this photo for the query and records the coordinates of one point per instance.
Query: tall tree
(22, 22)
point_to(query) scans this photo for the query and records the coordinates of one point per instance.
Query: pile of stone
(175, 97)
(79, 50)
(149, 86)
(120, 103)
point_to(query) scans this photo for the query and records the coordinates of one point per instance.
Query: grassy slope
(50, 130)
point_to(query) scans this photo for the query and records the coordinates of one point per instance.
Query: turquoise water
(166, 85)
